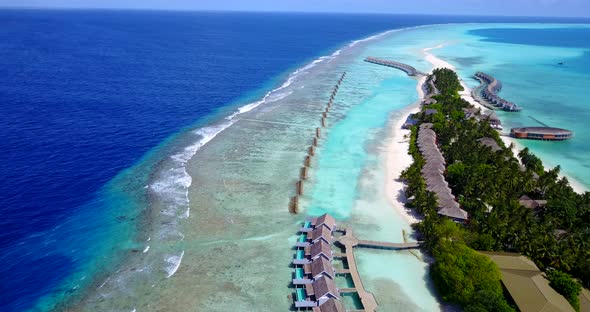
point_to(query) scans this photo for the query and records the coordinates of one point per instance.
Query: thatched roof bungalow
(456, 214)
(319, 249)
(324, 220)
(491, 143)
(321, 233)
(324, 289)
(321, 267)
(527, 202)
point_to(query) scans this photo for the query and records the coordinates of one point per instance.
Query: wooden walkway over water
(349, 241)
(410, 70)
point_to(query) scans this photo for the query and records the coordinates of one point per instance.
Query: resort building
(320, 267)
(324, 289)
(325, 220)
(317, 250)
(314, 272)
(410, 122)
(526, 284)
(527, 202)
(541, 133)
(429, 112)
(320, 233)
(432, 172)
(491, 143)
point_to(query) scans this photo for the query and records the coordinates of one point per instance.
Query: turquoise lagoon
(222, 236)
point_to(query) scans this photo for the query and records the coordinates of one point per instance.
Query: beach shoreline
(437, 62)
(398, 159)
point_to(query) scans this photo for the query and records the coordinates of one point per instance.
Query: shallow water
(221, 233)
(551, 93)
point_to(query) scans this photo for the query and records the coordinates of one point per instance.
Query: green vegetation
(462, 275)
(567, 286)
(488, 185)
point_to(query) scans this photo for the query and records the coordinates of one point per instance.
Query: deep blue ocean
(86, 95)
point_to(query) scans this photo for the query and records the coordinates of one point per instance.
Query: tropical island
(513, 204)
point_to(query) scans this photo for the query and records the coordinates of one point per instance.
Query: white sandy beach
(466, 95)
(398, 158)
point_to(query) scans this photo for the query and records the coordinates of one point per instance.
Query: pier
(348, 241)
(487, 93)
(315, 274)
(411, 71)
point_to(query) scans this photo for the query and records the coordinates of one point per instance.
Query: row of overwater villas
(490, 93)
(314, 272)
(432, 172)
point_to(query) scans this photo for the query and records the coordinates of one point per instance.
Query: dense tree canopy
(488, 185)
(565, 285)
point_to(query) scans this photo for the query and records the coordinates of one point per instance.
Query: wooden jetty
(349, 242)
(385, 245)
(411, 71)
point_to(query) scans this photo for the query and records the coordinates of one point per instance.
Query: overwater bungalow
(303, 239)
(302, 299)
(302, 276)
(541, 133)
(300, 257)
(325, 220)
(320, 267)
(324, 289)
(320, 233)
(489, 93)
(319, 249)
(307, 227)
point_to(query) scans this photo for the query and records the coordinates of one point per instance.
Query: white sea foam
(172, 184)
(173, 263)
